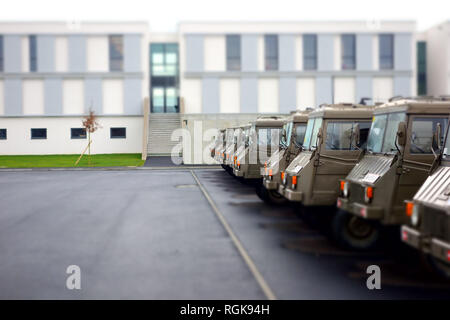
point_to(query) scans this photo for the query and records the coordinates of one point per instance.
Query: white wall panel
(2, 98)
(73, 96)
(230, 95)
(344, 90)
(337, 52)
(97, 54)
(268, 92)
(306, 93)
(261, 58)
(191, 93)
(61, 54)
(375, 53)
(113, 96)
(383, 89)
(299, 52)
(25, 54)
(33, 96)
(215, 53)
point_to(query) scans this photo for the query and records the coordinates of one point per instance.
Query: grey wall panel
(13, 96)
(288, 94)
(325, 52)
(364, 52)
(402, 86)
(77, 53)
(132, 96)
(45, 53)
(402, 51)
(286, 49)
(249, 95)
(132, 53)
(93, 95)
(12, 46)
(363, 88)
(210, 95)
(53, 96)
(194, 53)
(249, 52)
(324, 90)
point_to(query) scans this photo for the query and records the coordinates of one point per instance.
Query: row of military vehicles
(357, 171)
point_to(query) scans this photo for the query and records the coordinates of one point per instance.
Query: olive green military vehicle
(396, 163)
(217, 142)
(291, 142)
(220, 146)
(334, 141)
(429, 213)
(264, 138)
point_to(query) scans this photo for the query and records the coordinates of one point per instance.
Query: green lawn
(48, 161)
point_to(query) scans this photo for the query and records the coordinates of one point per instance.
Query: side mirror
(401, 134)
(436, 142)
(356, 134)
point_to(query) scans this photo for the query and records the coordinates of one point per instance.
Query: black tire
(439, 267)
(261, 192)
(353, 232)
(273, 197)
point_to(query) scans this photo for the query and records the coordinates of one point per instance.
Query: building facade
(205, 75)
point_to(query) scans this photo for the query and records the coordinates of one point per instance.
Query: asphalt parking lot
(158, 234)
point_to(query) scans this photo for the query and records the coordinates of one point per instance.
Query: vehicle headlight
(344, 187)
(415, 216)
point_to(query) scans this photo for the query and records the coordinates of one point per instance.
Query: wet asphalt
(152, 234)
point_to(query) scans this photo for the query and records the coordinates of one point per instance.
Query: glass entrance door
(164, 100)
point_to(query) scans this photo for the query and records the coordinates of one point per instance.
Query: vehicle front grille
(436, 223)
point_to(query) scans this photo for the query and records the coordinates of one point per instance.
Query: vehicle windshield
(312, 130)
(300, 131)
(269, 136)
(383, 132)
(286, 135)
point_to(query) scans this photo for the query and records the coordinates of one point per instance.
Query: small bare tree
(90, 125)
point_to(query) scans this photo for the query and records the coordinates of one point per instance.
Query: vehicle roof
(269, 122)
(298, 116)
(420, 105)
(342, 111)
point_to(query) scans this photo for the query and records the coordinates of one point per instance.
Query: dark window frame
(117, 137)
(233, 48)
(271, 55)
(79, 137)
(348, 55)
(309, 58)
(116, 52)
(38, 138)
(33, 51)
(386, 60)
(5, 137)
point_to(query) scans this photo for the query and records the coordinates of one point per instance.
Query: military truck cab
(264, 138)
(334, 139)
(219, 146)
(291, 141)
(429, 213)
(396, 163)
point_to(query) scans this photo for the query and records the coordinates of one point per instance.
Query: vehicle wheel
(273, 197)
(354, 232)
(261, 192)
(440, 267)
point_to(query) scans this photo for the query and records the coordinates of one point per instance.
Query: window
(300, 131)
(309, 52)
(233, 52)
(269, 136)
(386, 47)
(118, 133)
(3, 134)
(421, 68)
(271, 51)
(115, 53)
(164, 59)
(422, 133)
(348, 42)
(1, 53)
(77, 133)
(39, 133)
(33, 53)
(383, 132)
(339, 135)
(312, 129)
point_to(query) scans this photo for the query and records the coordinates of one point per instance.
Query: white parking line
(251, 265)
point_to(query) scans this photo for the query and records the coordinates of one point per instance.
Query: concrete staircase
(161, 126)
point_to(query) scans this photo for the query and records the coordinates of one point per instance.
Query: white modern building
(144, 85)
